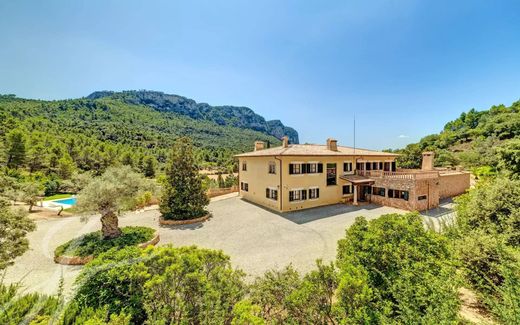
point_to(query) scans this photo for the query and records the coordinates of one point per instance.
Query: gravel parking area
(256, 239)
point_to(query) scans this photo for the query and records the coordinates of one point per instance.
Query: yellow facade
(258, 178)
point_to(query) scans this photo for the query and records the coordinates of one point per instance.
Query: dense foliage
(94, 244)
(164, 285)
(487, 239)
(183, 195)
(59, 137)
(485, 138)
(14, 226)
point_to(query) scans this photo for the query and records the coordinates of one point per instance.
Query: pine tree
(15, 149)
(66, 167)
(183, 196)
(149, 167)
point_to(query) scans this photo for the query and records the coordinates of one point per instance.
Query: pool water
(69, 201)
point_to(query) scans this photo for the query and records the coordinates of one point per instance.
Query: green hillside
(91, 134)
(487, 138)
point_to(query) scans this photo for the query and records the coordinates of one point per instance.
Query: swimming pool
(69, 201)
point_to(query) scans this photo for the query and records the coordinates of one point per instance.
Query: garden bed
(82, 250)
(165, 222)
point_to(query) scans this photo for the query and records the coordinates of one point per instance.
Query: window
(347, 167)
(422, 197)
(331, 174)
(271, 194)
(387, 166)
(398, 194)
(393, 166)
(347, 189)
(295, 169)
(378, 191)
(314, 193)
(244, 186)
(310, 168)
(244, 166)
(375, 165)
(297, 195)
(360, 166)
(272, 167)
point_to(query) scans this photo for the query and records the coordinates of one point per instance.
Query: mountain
(475, 139)
(241, 117)
(99, 131)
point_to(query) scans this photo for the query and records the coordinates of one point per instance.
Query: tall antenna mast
(354, 133)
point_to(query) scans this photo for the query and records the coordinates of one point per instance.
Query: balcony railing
(412, 174)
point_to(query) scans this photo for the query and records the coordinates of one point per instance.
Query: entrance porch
(362, 187)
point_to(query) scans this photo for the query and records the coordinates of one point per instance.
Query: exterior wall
(258, 179)
(453, 184)
(396, 184)
(429, 188)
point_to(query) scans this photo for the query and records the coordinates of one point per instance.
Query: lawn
(93, 243)
(57, 197)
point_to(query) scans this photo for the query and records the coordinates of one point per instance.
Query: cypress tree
(183, 196)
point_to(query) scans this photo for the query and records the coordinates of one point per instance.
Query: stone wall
(396, 184)
(453, 184)
(416, 188)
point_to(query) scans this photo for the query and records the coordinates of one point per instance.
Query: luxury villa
(300, 176)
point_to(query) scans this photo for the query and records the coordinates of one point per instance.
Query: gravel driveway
(256, 239)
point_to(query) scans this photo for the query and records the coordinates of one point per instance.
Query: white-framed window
(271, 193)
(347, 189)
(312, 168)
(297, 195)
(272, 167)
(244, 166)
(314, 193)
(244, 187)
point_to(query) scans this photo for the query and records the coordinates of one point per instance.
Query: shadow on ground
(309, 215)
(445, 208)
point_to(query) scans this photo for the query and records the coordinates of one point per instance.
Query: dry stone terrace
(255, 238)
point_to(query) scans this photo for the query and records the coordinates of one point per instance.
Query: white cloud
(402, 136)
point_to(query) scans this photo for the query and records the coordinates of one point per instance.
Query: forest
(482, 141)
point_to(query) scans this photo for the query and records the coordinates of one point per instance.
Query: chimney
(259, 145)
(332, 144)
(427, 160)
(285, 141)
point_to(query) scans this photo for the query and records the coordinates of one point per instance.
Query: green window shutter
(291, 169)
(304, 195)
(317, 193)
(291, 196)
(267, 193)
(320, 168)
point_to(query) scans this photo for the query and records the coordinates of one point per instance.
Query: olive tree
(110, 194)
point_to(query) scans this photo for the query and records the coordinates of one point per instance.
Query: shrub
(493, 208)
(162, 285)
(94, 244)
(399, 270)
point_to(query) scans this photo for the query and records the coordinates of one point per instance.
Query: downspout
(281, 192)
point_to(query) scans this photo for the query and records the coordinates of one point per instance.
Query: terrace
(413, 174)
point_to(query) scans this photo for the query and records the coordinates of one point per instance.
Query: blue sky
(404, 68)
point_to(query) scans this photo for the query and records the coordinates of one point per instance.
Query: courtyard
(256, 239)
